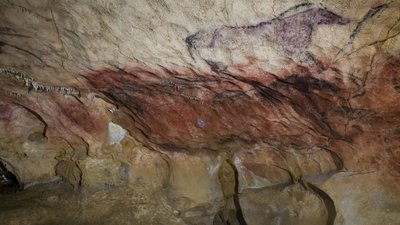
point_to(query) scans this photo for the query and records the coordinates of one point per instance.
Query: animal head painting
(325, 16)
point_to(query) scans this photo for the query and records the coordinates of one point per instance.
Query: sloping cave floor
(59, 203)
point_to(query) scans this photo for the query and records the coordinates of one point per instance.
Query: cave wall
(220, 112)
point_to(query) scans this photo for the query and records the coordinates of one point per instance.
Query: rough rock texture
(209, 112)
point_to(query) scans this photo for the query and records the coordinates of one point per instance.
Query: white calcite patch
(115, 133)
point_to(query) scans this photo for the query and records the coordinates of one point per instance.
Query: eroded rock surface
(211, 112)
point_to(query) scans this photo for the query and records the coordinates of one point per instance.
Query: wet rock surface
(181, 112)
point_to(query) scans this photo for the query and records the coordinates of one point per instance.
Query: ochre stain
(166, 103)
(5, 112)
(79, 115)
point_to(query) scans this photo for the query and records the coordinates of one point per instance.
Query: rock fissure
(32, 84)
(236, 196)
(328, 202)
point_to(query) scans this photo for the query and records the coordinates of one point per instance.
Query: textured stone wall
(201, 112)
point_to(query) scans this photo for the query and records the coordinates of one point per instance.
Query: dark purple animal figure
(292, 33)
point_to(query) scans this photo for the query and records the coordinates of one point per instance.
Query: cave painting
(292, 33)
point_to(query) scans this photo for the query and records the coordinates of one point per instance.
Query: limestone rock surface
(200, 112)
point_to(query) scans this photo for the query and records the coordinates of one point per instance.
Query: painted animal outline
(292, 33)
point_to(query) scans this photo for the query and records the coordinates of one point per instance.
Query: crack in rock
(328, 202)
(33, 85)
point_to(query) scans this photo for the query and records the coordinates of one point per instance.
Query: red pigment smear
(80, 115)
(5, 112)
(184, 107)
(166, 105)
